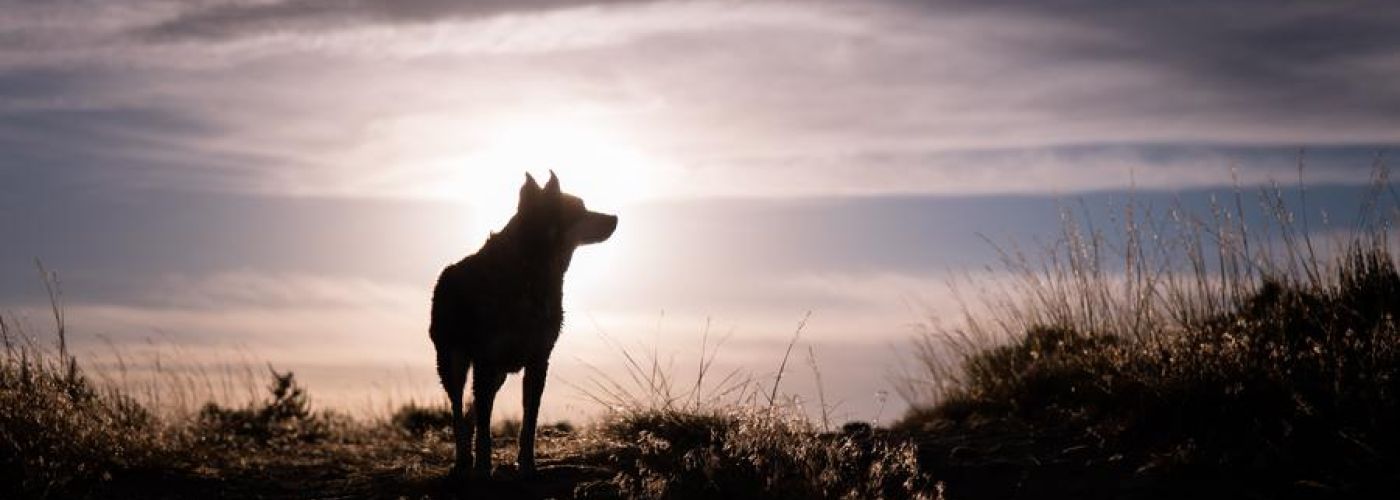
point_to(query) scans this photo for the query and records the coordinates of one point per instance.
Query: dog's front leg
(533, 389)
(485, 383)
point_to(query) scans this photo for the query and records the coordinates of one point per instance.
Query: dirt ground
(365, 468)
(984, 464)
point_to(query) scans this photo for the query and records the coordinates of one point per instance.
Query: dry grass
(736, 435)
(1185, 342)
(59, 432)
(63, 435)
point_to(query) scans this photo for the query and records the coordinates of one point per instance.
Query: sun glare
(593, 161)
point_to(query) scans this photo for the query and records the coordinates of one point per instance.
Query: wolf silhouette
(500, 310)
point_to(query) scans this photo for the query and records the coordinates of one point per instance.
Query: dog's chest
(525, 325)
(506, 314)
(528, 335)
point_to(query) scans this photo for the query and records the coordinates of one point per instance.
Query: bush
(61, 437)
(284, 418)
(1290, 355)
(418, 421)
(750, 453)
(1265, 367)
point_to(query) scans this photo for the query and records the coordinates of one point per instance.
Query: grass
(59, 432)
(283, 418)
(1188, 350)
(755, 453)
(64, 435)
(735, 435)
(1204, 354)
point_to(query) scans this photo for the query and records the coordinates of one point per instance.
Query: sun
(593, 159)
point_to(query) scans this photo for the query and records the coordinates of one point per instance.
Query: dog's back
(492, 312)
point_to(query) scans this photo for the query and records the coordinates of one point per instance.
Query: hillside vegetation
(62, 435)
(1181, 355)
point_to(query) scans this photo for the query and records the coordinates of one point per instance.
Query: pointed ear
(528, 192)
(551, 188)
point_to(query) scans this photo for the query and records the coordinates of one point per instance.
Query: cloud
(797, 99)
(1030, 170)
(247, 289)
(229, 20)
(1278, 58)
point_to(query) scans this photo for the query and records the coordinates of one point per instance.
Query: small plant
(756, 453)
(560, 428)
(60, 434)
(285, 417)
(418, 420)
(735, 437)
(506, 428)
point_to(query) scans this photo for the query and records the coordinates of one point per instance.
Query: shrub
(61, 437)
(284, 418)
(750, 453)
(417, 420)
(1208, 350)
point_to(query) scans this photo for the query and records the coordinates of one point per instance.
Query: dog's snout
(611, 224)
(595, 227)
(607, 223)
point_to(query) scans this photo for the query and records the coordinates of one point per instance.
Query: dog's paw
(459, 476)
(480, 473)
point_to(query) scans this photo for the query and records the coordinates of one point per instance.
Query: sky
(281, 181)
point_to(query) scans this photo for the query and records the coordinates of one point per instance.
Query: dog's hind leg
(533, 389)
(452, 368)
(485, 383)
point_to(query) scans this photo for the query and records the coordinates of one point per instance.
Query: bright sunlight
(593, 160)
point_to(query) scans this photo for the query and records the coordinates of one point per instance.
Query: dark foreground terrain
(369, 467)
(1249, 372)
(737, 453)
(1293, 393)
(978, 464)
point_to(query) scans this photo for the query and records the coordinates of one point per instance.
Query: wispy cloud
(251, 289)
(228, 20)
(316, 98)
